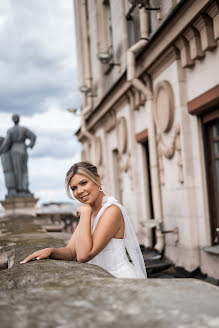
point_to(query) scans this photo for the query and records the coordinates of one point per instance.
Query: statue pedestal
(20, 205)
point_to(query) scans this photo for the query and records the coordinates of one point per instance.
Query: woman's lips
(85, 197)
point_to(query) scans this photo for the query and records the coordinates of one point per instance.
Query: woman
(104, 232)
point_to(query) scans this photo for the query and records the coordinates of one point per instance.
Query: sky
(38, 81)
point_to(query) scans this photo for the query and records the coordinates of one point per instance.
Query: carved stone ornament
(168, 152)
(98, 150)
(164, 106)
(109, 120)
(125, 167)
(122, 135)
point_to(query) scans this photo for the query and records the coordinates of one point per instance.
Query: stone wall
(52, 293)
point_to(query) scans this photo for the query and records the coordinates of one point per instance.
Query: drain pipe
(139, 85)
(87, 72)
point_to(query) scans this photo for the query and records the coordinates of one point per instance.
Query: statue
(13, 151)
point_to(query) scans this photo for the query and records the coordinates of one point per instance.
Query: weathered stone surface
(51, 293)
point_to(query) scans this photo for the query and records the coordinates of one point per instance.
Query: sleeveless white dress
(113, 258)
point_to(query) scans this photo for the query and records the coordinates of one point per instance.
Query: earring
(100, 188)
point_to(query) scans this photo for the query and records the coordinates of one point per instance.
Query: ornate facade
(149, 82)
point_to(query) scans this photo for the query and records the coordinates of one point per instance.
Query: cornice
(151, 59)
(170, 32)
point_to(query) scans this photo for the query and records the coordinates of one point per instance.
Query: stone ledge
(52, 293)
(212, 250)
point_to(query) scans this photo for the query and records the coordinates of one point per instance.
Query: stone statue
(13, 151)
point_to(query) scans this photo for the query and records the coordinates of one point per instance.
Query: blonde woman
(104, 234)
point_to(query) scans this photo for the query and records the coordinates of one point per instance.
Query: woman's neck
(96, 206)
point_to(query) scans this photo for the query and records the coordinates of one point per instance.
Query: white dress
(113, 258)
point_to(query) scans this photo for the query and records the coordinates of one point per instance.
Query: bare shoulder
(113, 212)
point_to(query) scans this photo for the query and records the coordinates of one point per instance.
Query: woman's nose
(80, 189)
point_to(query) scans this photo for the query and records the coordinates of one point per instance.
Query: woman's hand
(39, 255)
(84, 209)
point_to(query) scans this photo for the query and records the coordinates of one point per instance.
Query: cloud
(37, 58)
(49, 183)
(38, 80)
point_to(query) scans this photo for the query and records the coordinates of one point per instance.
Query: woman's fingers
(39, 255)
(29, 258)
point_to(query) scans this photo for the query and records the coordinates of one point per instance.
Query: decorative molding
(137, 99)
(164, 106)
(122, 135)
(109, 120)
(142, 136)
(125, 162)
(98, 151)
(125, 167)
(154, 57)
(193, 37)
(211, 116)
(204, 103)
(183, 45)
(168, 152)
(167, 57)
(130, 95)
(204, 25)
(213, 11)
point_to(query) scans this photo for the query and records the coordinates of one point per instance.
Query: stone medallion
(164, 106)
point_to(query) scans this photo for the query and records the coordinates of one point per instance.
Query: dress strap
(106, 202)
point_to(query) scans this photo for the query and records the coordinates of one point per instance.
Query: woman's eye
(83, 183)
(73, 188)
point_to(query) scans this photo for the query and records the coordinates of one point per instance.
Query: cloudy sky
(38, 81)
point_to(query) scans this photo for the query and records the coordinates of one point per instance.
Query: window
(207, 107)
(133, 28)
(211, 138)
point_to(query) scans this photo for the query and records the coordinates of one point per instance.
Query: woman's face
(84, 189)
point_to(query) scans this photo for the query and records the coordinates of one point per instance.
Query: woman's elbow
(82, 259)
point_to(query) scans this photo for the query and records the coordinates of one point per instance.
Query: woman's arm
(88, 246)
(83, 244)
(68, 253)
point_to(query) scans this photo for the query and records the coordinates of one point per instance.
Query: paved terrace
(53, 293)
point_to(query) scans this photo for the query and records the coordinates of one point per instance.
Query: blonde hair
(85, 168)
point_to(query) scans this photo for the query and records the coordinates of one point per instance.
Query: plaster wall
(204, 75)
(142, 190)
(102, 81)
(128, 177)
(119, 35)
(140, 117)
(133, 183)
(111, 143)
(180, 200)
(166, 7)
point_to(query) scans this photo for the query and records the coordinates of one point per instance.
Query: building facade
(149, 86)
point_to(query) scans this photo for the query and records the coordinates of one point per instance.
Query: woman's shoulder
(110, 200)
(112, 206)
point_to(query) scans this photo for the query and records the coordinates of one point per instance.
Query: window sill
(214, 250)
